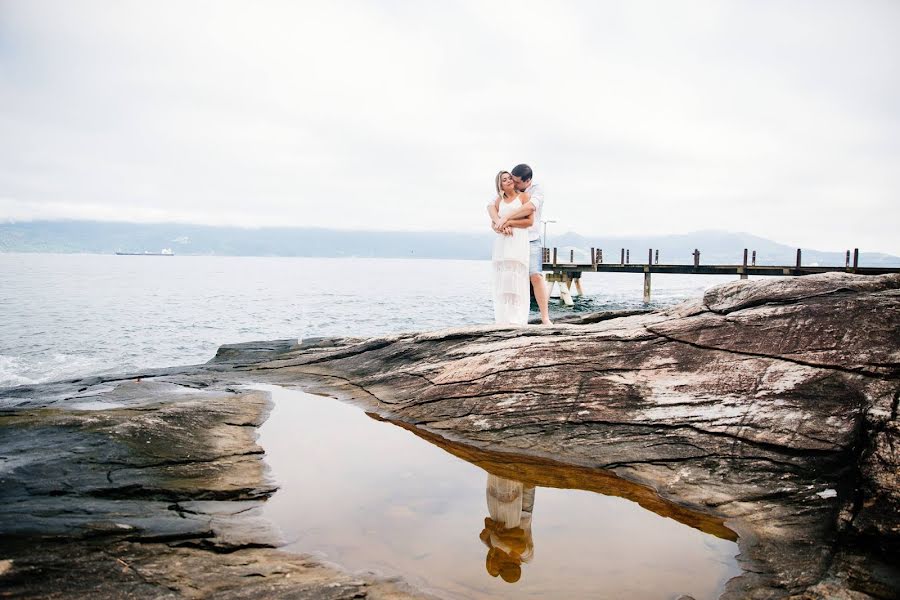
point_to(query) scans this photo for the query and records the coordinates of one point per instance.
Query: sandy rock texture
(768, 405)
(772, 403)
(145, 488)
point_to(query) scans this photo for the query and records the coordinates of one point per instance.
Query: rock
(112, 568)
(157, 496)
(771, 405)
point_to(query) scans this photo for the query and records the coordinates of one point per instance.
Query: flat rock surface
(770, 404)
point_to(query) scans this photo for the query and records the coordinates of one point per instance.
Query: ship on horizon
(163, 252)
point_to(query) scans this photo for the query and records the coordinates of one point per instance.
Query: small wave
(41, 368)
(11, 372)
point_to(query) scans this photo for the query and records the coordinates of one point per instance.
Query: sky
(777, 118)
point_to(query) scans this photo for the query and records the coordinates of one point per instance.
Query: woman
(510, 257)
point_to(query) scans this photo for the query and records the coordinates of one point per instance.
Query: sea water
(70, 315)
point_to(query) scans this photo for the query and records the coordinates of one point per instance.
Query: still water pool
(374, 496)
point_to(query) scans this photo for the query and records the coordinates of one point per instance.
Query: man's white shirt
(536, 191)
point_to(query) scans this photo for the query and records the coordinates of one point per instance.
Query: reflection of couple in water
(507, 531)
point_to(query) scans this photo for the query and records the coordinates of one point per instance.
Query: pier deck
(567, 274)
(714, 269)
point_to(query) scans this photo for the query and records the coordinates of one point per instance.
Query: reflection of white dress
(511, 504)
(510, 261)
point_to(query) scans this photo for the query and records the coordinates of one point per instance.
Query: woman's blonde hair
(500, 193)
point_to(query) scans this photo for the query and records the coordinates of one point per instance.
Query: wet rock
(113, 568)
(152, 491)
(772, 403)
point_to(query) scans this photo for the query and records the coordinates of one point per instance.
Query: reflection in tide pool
(507, 532)
(459, 522)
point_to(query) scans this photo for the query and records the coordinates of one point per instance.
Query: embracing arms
(522, 218)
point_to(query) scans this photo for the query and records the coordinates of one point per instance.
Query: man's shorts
(535, 257)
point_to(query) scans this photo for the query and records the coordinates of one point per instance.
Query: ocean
(70, 315)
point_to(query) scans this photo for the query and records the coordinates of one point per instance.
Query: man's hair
(523, 172)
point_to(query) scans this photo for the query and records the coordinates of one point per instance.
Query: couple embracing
(518, 253)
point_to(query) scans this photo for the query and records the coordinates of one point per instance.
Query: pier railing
(566, 271)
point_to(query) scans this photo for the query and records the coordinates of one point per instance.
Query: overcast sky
(778, 118)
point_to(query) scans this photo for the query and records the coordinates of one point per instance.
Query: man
(522, 175)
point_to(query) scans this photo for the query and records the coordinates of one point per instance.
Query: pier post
(744, 271)
(657, 256)
(647, 276)
(754, 258)
(647, 285)
(565, 292)
(577, 282)
(554, 256)
(855, 259)
(571, 257)
(847, 261)
(593, 258)
(623, 256)
(628, 256)
(696, 257)
(600, 255)
(798, 261)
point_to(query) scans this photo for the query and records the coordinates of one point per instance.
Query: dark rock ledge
(769, 404)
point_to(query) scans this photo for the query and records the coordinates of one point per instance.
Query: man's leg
(536, 274)
(540, 294)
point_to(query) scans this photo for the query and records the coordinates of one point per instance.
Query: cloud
(639, 117)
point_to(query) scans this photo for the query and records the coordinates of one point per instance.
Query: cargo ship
(163, 252)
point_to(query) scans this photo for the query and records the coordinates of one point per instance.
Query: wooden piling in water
(657, 256)
(754, 258)
(623, 256)
(571, 257)
(647, 285)
(855, 259)
(628, 256)
(647, 275)
(594, 258)
(847, 261)
(798, 259)
(696, 257)
(554, 256)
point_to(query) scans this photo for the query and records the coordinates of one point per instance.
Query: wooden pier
(567, 274)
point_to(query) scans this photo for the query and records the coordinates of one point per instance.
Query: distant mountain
(106, 238)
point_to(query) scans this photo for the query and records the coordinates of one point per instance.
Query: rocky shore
(768, 405)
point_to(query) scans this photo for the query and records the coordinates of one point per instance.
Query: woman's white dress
(510, 260)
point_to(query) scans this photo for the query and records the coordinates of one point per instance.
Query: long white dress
(510, 261)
